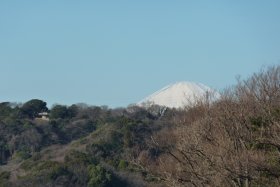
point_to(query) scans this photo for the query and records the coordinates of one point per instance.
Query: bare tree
(234, 141)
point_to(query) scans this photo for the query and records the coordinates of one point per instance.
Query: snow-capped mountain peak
(178, 95)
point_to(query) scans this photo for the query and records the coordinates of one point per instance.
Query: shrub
(98, 176)
(122, 164)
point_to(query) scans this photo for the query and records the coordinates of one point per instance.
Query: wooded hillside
(233, 141)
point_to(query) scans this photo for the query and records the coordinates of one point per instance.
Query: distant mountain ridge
(178, 95)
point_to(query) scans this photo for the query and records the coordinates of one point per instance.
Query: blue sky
(117, 52)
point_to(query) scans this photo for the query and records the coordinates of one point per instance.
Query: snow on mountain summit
(178, 95)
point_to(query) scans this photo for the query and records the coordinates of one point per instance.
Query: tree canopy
(33, 107)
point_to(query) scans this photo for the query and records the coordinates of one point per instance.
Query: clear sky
(117, 52)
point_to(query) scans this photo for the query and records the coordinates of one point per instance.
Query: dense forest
(232, 141)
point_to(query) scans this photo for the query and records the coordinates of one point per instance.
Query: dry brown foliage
(234, 141)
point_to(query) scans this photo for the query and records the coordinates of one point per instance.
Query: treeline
(22, 131)
(104, 139)
(233, 141)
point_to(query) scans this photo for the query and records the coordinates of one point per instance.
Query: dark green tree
(73, 111)
(63, 112)
(33, 107)
(98, 176)
(5, 109)
(59, 111)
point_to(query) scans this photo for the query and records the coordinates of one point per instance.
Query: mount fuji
(179, 95)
